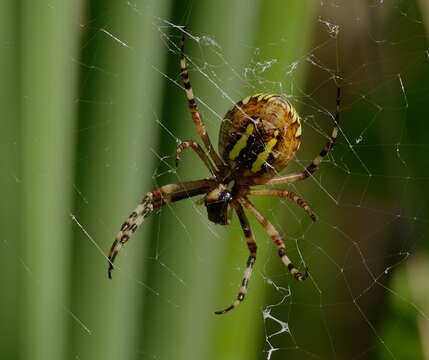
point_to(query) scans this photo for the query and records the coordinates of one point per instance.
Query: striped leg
(274, 234)
(251, 244)
(286, 194)
(196, 117)
(318, 159)
(197, 148)
(147, 205)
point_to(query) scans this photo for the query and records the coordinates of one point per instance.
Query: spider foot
(225, 310)
(114, 251)
(129, 227)
(238, 300)
(110, 269)
(297, 275)
(230, 307)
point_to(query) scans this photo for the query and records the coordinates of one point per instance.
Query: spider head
(217, 204)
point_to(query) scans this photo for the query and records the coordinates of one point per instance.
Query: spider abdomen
(259, 137)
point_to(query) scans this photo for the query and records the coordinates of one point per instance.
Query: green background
(92, 109)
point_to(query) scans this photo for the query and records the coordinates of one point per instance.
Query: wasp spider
(258, 137)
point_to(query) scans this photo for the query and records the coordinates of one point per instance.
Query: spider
(258, 137)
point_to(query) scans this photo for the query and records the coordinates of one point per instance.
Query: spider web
(366, 252)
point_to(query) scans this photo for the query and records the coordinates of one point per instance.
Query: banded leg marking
(286, 194)
(146, 206)
(196, 117)
(129, 227)
(251, 245)
(274, 234)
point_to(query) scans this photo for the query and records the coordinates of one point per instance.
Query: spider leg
(197, 148)
(318, 159)
(286, 194)
(147, 205)
(178, 196)
(196, 117)
(274, 234)
(251, 244)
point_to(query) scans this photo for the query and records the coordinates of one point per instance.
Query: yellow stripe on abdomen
(263, 156)
(242, 142)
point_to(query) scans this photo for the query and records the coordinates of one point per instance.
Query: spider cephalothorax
(258, 137)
